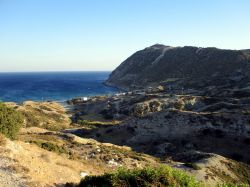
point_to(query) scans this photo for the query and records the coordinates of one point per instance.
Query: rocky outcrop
(168, 124)
(180, 67)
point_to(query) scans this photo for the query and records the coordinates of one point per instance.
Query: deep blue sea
(55, 86)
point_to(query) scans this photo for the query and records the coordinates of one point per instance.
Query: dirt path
(161, 55)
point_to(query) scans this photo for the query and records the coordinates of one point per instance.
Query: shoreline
(64, 102)
(53, 86)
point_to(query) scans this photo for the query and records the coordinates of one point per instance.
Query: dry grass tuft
(2, 140)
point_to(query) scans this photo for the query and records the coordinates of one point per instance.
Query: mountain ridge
(192, 66)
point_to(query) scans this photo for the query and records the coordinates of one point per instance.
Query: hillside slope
(191, 67)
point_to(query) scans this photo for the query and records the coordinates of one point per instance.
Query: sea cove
(56, 86)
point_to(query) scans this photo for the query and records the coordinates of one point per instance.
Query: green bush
(179, 105)
(50, 147)
(83, 122)
(192, 165)
(10, 121)
(160, 176)
(32, 121)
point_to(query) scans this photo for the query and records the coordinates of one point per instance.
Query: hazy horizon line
(55, 71)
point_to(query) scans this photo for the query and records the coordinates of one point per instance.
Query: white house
(84, 98)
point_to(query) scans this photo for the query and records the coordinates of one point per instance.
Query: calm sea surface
(56, 86)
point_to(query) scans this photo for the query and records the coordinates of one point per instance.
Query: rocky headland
(183, 104)
(187, 108)
(182, 67)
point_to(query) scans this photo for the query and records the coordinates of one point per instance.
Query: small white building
(120, 94)
(84, 98)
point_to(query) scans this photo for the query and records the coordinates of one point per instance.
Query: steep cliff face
(189, 66)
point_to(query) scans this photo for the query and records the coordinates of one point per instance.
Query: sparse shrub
(32, 121)
(10, 121)
(73, 155)
(154, 106)
(160, 176)
(239, 169)
(192, 165)
(57, 117)
(50, 147)
(18, 169)
(2, 140)
(36, 117)
(179, 105)
(45, 108)
(83, 122)
(188, 106)
(139, 109)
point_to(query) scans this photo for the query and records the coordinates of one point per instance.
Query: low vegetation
(233, 185)
(51, 147)
(192, 165)
(241, 170)
(2, 140)
(161, 176)
(92, 124)
(40, 115)
(10, 121)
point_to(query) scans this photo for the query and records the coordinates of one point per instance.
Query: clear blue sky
(49, 35)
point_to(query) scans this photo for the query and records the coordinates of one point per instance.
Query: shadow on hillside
(207, 141)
